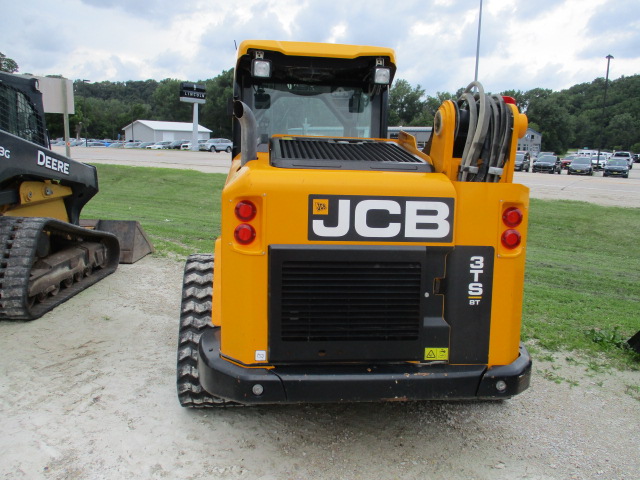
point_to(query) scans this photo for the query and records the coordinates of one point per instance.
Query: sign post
(57, 97)
(196, 94)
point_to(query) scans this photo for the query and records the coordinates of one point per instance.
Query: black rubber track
(18, 244)
(195, 317)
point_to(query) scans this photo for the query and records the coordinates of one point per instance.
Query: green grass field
(582, 289)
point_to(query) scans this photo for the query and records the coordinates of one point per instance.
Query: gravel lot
(88, 392)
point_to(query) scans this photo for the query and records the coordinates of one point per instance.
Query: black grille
(18, 113)
(330, 303)
(348, 154)
(350, 301)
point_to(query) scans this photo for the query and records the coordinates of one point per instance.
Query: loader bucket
(134, 243)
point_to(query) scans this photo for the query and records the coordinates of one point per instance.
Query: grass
(582, 289)
(179, 209)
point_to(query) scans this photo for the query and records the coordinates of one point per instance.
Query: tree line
(577, 117)
(103, 109)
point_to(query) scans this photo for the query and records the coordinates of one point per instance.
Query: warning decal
(436, 354)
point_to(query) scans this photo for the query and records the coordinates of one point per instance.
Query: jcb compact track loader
(351, 267)
(45, 256)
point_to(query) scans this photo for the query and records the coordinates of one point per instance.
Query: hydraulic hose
(488, 135)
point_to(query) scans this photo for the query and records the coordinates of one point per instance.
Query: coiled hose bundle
(487, 122)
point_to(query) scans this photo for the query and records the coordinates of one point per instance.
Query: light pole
(604, 104)
(478, 42)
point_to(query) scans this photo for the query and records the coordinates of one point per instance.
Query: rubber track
(18, 241)
(195, 317)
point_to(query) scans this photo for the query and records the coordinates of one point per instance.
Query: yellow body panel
(40, 199)
(479, 208)
(309, 49)
(281, 198)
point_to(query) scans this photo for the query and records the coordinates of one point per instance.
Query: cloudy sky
(524, 43)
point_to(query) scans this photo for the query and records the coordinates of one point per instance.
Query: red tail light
(245, 211)
(512, 217)
(244, 234)
(511, 239)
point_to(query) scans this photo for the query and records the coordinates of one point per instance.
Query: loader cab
(313, 89)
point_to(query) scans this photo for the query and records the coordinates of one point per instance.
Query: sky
(524, 44)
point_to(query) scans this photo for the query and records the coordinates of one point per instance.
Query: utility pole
(604, 104)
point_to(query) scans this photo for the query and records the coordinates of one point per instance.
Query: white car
(159, 146)
(187, 146)
(598, 162)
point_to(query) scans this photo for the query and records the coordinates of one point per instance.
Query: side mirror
(261, 101)
(356, 103)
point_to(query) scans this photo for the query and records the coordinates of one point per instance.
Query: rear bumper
(355, 383)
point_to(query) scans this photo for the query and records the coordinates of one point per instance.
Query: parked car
(145, 144)
(217, 145)
(598, 162)
(522, 163)
(566, 161)
(187, 146)
(580, 166)
(176, 144)
(617, 167)
(547, 164)
(132, 144)
(164, 145)
(626, 156)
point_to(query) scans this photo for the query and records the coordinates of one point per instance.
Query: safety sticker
(436, 354)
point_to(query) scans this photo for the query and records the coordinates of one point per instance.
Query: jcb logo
(392, 219)
(321, 206)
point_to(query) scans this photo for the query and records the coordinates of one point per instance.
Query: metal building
(156, 131)
(531, 142)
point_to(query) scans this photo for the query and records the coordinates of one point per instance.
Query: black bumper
(356, 383)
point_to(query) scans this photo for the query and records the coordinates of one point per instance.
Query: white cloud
(549, 43)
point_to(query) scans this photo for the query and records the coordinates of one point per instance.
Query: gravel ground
(88, 392)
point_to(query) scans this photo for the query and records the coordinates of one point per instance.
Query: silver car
(217, 145)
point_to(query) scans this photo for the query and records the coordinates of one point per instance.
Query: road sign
(192, 93)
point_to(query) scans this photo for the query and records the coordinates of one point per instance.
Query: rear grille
(332, 303)
(324, 301)
(348, 154)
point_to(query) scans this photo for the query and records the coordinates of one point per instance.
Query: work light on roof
(260, 67)
(381, 74)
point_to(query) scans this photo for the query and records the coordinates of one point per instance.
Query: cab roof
(309, 49)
